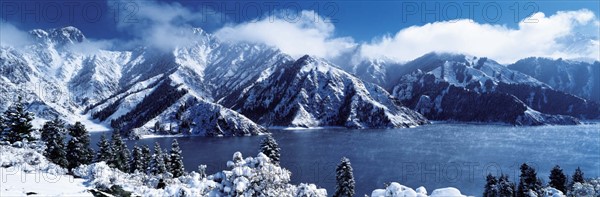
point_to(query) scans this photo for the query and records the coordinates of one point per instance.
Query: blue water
(434, 156)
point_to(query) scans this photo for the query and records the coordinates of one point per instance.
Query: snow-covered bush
(27, 159)
(551, 192)
(258, 177)
(397, 190)
(590, 188)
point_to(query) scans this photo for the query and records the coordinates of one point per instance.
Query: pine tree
(344, 179)
(17, 121)
(137, 162)
(53, 134)
(167, 159)
(578, 176)
(558, 179)
(491, 186)
(121, 152)
(79, 146)
(270, 148)
(505, 187)
(176, 160)
(105, 150)
(528, 181)
(157, 163)
(146, 157)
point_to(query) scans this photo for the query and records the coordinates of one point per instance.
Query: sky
(397, 30)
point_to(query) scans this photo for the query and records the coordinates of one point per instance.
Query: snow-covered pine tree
(137, 162)
(558, 179)
(270, 148)
(578, 176)
(167, 159)
(505, 187)
(120, 159)
(528, 181)
(17, 121)
(490, 189)
(79, 146)
(146, 157)
(2, 126)
(105, 151)
(157, 163)
(176, 160)
(202, 171)
(53, 134)
(344, 179)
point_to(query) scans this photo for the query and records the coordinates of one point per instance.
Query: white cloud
(501, 43)
(162, 25)
(12, 36)
(308, 33)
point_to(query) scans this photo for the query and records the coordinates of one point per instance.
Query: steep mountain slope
(311, 92)
(456, 86)
(574, 77)
(184, 90)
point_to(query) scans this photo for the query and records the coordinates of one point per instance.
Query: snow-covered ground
(15, 182)
(24, 171)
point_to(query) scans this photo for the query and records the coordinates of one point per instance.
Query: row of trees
(529, 183)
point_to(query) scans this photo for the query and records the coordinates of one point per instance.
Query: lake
(435, 156)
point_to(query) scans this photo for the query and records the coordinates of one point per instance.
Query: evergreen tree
(2, 126)
(578, 176)
(505, 187)
(167, 159)
(105, 151)
(491, 186)
(79, 146)
(53, 134)
(528, 181)
(176, 160)
(17, 123)
(344, 179)
(157, 163)
(121, 152)
(137, 162)
(558, 179)
(270, 148)
(146, 158)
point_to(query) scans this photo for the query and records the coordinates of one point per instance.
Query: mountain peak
(67, 34)
(62, 36)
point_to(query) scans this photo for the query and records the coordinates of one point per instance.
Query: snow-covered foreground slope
(24, 172)
(311, 93)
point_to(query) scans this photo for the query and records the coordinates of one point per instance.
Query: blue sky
(362, 20)
(340, 24)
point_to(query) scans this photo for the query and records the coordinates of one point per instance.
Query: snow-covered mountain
(185, 89)
(311, 92)
(574, 77)
(464, 88)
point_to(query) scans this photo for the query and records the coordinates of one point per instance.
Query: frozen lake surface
(434, 156)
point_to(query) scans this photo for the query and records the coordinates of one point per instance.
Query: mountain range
(216, 88)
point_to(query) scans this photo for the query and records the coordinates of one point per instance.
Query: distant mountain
(311, 92)
(574, 77)
(459, 87)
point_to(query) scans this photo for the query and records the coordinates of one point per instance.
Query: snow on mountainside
(183, 90)
(574, 77)
(464, 88)
(311, 92)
